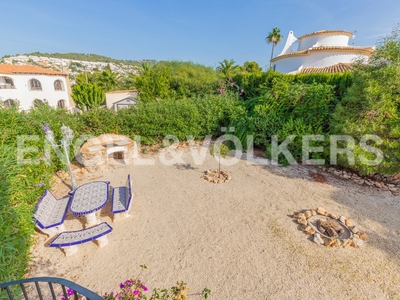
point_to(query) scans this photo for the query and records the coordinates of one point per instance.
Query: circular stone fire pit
(329, 230)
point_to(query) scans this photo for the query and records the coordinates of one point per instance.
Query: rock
(368, 182)
(391, 185)
(348, 223)
(332, 216)
(396, 176)
(378, 185)
(359, 181)
(299, 215)
(321, 211)
(313, 212)
(355, 230)
(357, 243)
(317, 239)
(347, 243)
(308, 230)
(337, 173)
(302, 221)
(393, 189)
(362, 235)
(345, 176)
(328, 242)
(307, 214)
(338, 243)
(342, 219)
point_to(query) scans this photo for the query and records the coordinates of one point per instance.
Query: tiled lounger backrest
(50, 212)
(122, 197)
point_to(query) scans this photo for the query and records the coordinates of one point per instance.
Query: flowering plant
(134, 289)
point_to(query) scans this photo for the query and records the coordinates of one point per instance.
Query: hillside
(75, 63)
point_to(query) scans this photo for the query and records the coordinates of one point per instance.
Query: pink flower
(144, 287)
(221, 91)
(136, 292)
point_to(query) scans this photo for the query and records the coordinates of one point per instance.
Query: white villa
(320, 51)
(29, 86)
(116, 100)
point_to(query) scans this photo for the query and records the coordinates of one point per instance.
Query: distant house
(121, 99)
(320, 51)
(29, 86)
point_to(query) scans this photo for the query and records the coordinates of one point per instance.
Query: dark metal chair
(35, 290)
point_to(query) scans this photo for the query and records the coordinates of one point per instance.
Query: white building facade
(28, 86)
(320, 49)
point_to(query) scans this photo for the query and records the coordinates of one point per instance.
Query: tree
(227, 68)
(274, 37)
(219, 150)
(251, 67)
(153, 84)
(189, 79)
(87, 96)
(107, 79)
(84, 78)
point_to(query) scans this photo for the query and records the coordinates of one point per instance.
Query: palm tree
(108, 80)
(227, 67)
(274, 37)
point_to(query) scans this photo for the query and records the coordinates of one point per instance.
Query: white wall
(25, 96)
(323, 40)
(315, 60)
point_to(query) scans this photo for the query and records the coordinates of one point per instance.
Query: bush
(372, 106)
(197, 117)
(286, 109)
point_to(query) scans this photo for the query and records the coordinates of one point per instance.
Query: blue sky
(205, 32)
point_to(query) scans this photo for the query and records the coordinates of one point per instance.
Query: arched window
(62, 104)
(37, 103)
(6, 83)
(35, 84)
(58, 85)
(10, 103)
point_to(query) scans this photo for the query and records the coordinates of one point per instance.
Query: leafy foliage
(372, 106)
(87, 96)
(286, 109)
(227, 68)
(153, 84)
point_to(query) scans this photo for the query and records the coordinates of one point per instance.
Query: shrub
(372, 106)
(286, 109)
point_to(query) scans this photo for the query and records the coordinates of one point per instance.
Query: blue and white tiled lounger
(121, 200)
(50, 213)
(70, 240)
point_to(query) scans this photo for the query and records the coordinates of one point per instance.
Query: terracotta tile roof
(27, 69)
(358, 50)
(338, 68)
(349, 34)
(121, 91)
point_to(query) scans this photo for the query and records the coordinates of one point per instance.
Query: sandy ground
(236, 238)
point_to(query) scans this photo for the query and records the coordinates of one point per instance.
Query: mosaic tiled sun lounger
(50, 213)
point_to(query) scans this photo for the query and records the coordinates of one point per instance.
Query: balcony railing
(7, 86)
(45, 288)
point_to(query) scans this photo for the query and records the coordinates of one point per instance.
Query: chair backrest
(128, 193)
(44, 208)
